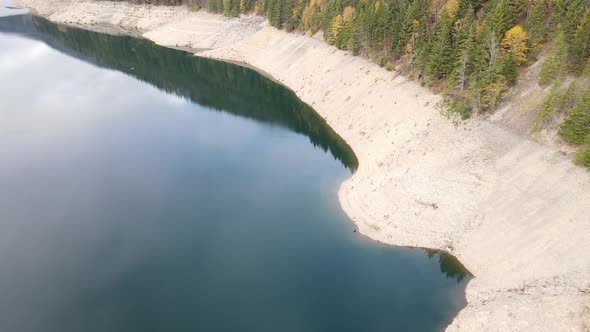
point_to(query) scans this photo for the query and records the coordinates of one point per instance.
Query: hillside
(471, 51)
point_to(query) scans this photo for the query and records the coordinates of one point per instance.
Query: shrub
(462, 108)
(583, 154)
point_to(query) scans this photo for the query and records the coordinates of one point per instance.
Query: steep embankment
(516, 213)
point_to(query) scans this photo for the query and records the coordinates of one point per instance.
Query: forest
(471, 51)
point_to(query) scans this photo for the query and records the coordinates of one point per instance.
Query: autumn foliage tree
(515, 42)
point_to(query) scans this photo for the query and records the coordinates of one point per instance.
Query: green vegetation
(558, 102)
(580, 48)
(476, 46)
(576, 126)
(458, 107)
(583, 155)
(469, 50)
(554, 67)
(572, 103)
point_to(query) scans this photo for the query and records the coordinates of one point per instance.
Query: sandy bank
(516, 213)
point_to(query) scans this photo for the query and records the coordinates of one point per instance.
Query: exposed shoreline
(514, 212)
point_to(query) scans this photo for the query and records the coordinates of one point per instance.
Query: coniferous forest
(472, 51)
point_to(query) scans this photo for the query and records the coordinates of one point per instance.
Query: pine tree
(286, 14)
(327, 16)
(583, 154)
(490, 84)
(466, 45)
(573, 15)
(230, 7)
(354, 43)
(554, 67)
(535, 24)
(576, 126)
(509, 67)
(493, 47)
(274, 12)
(343, 37)
(558, 101)
(439, 65)
(580, 49)
(381, 22)
(215, 5)
(492, 92)
(558, 14)
(502, 17)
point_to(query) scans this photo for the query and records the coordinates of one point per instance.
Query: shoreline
(515, 213)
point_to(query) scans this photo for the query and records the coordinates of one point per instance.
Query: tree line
(470, 50)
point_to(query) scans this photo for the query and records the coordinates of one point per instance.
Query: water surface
(144, 189)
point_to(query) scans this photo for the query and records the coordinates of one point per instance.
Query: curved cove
(145, 189)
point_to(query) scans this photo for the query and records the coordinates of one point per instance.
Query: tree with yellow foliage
(451, 6)
(312, 17)
(348, 14)
(515, 41)
(340, 28)
(336, 27)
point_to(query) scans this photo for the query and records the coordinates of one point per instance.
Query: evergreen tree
(580, 49)
(501, 18)
(466, 44)
(509, 67)
(439, 65)
(554, 67)
(583, 154)
(558, 14)
(274, 12)
(576, 126)
(573, 15)
(558, 101)
(354, 42)
(535, 24)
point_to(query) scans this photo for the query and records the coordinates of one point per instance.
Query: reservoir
(146, 189)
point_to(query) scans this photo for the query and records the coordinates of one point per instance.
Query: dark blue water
(143, 189)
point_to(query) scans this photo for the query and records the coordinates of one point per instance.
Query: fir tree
(554, 67)
(502, 17)
(509, 67)
(573, 15)
(580, 49)
(535, 24)
(466, 45)
(439, 65)
(576, 126)
(583, 154)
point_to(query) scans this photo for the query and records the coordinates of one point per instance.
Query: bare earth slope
(516, 213)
